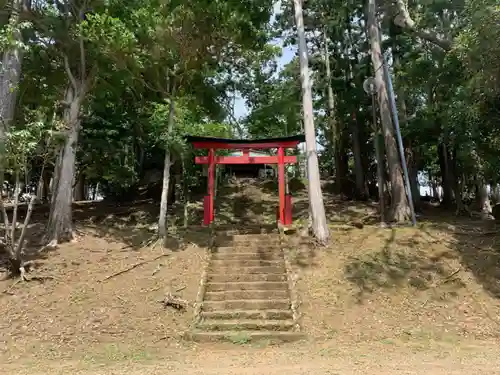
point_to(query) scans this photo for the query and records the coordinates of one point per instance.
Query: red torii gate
(212, 144)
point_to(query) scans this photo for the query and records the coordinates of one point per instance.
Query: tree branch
(83, 66)
(404, 20)
(69, 73)
(5, 218)
(17, 191)
(27, 219)
(90, 79)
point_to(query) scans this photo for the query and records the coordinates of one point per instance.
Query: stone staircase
(245, 294)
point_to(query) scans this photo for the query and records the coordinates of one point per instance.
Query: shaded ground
(245, 203)
(326, 359)
(404, 300)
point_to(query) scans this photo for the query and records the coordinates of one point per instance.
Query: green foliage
(37, 139)
(274, 101)
(197, 53)
(8, 35)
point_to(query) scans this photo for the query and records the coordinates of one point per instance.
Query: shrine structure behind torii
(213, 144)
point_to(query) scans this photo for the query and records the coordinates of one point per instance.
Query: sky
(288, 53)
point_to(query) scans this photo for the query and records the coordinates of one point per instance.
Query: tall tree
(75, 53)
(173, 57)
(317, 207)
(11, 44)
(399, 210)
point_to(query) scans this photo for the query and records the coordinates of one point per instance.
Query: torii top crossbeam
(212, 144)
(244, 144)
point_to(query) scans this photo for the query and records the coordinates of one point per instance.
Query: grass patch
(239, 338)
(116, 353)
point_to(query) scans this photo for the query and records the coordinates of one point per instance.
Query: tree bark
(381, 180)
(43, 187)
(377, 143)
(413, 176)
(317, 208)
(359, 173)
(410, 153)
(60, 226)
(483, 200)
(404, 20)
(459, 202)
(17, 191)
(495, 194)
(448, 180)
(185, 191)
(334, 126)
(79, 190)
(10, 73)
(399, 210)
(162, 221)
(435, 190)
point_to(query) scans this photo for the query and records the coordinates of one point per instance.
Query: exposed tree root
(132, 267)
(52, 245)
(151, 242)
(443, 281)
(23, 271)
(175, 302)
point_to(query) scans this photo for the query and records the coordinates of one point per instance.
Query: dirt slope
(384, 301)
(327, 359)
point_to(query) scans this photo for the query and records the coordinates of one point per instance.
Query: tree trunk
(162, 221)
(495, 194)
(317, 208)
(377, 142)
(381, 175)
(60, 226)
(410, 154)
(399, 210)
(411, 157)
(448, 180)
(17, 191)
(10, 73)
(459, 202)
(79, 190)
(483, 200)
(404, 20)
(435, 190)
(334, 126)
(415, 186)
(44, 185)
(358, 163)
(342, 162)
(185, 191)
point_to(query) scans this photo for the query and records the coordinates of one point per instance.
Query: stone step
(245, 337)
(247, 314)
(231, 277)
(256, 285)
(228, 232)
(246, 239)
(216, 263)
(252, 244)
(246, 304)
(246, 294)
(246, 325)
(277, 255)
(256, 237)
(264, 249)
(246, 270)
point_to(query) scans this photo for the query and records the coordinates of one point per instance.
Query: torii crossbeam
(281, 144)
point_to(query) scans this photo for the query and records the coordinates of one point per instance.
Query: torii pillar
(284, 214)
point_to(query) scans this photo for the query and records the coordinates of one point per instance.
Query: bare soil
(400, 300)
